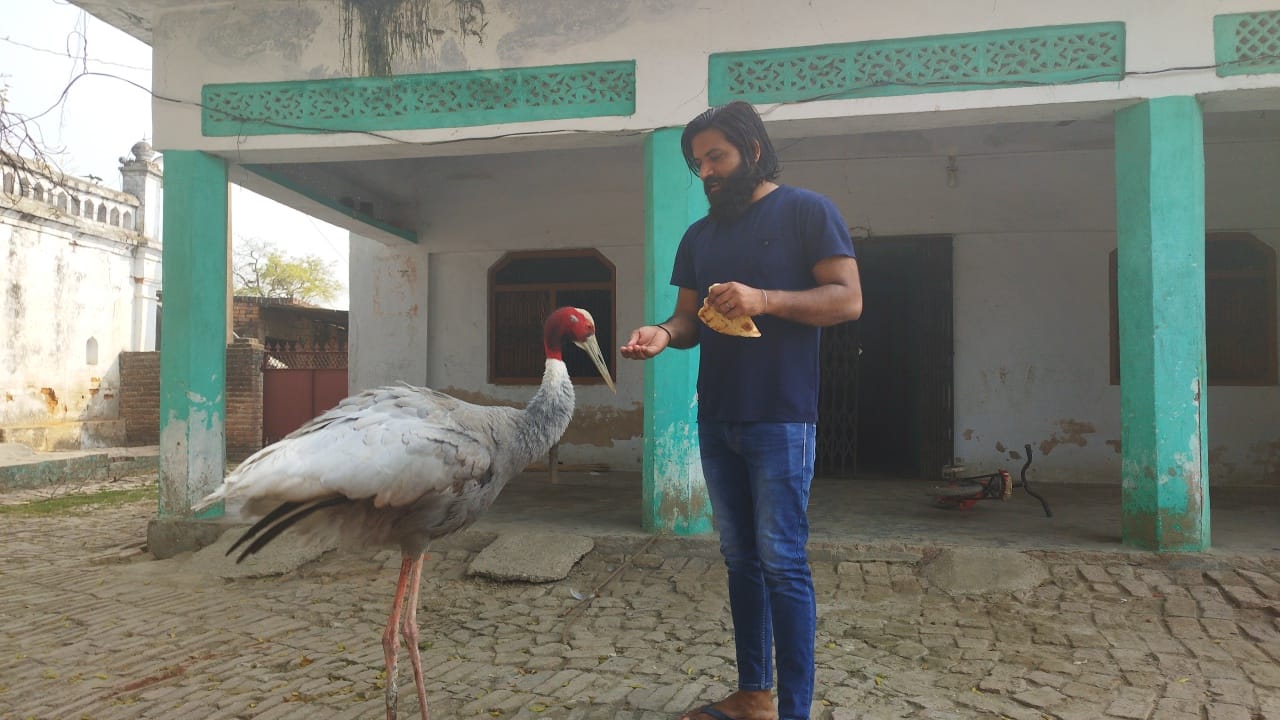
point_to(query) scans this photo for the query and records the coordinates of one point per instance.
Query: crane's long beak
(592, 348)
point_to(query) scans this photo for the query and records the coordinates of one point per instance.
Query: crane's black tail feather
(284, 509)
(284, 523)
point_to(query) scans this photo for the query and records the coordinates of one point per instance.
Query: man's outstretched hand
(645, 342)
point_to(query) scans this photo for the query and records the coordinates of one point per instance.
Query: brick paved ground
(91, 628)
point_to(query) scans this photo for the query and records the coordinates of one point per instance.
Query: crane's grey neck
(549, 411)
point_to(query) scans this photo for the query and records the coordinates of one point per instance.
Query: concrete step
(22, 467)
(131, 461)
(69, 435)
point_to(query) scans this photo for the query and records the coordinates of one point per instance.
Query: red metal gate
(299, 383)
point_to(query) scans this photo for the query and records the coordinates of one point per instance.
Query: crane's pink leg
(410, 630)
(391, 639)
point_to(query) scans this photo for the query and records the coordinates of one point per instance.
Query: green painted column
(675, 494)
(1160, 195)
(193, 343)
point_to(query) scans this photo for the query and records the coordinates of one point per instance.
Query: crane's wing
(392, 444)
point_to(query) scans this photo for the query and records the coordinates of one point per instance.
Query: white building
(989, 158)
(81, 279)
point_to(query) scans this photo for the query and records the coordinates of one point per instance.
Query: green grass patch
(73, 503)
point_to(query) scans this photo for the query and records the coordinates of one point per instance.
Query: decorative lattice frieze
(973, 61)
(417, 102)
(1247, 43)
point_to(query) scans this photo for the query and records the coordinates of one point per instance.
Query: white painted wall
(65, 285)
(1032, 236)
(459, 366)
(1033, 230)
(389, 330)
(670, 41)
(1032, 227)
(471, 213)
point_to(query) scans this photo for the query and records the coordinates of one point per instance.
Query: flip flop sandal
(710, 712)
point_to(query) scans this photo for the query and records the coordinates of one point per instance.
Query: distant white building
(81, 284)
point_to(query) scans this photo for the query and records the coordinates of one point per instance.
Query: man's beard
(731, 200)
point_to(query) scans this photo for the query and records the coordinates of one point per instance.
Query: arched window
(102, 213)
(91, 351)
(1240, 311)
(38, 192)
(62, 202)
(127, 221)
(524, 287)
(10, 184)
(115, 216)
(75, 206)
(88, 209)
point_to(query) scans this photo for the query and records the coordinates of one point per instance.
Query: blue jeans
(758, 477)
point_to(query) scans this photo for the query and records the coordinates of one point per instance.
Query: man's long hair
(743, 128)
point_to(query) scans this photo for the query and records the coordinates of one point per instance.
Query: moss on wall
(389, 28)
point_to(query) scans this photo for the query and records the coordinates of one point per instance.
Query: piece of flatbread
(716, 320)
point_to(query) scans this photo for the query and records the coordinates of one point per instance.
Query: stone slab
(531, 557)
(984, 570)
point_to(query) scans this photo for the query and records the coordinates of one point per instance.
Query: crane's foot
(391, 640)
(409, 630)
(392, 696)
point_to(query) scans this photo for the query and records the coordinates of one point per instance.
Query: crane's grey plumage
(414, 464)
(401, 466)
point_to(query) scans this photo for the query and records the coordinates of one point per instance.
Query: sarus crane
(400, 466)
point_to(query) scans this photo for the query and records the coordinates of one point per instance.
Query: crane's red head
(577, 326)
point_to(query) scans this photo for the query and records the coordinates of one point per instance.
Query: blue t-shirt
(774, 246)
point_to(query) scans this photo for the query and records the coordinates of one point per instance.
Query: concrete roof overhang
(392, 180)
(326, 181)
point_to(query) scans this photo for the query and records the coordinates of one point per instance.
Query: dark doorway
(885, 406)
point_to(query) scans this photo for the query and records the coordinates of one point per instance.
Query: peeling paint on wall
(192, 459)
(1114, 445)
(173, 466)
(601, 425)
(61, 285)
(398, 282)
(683, 507)
(1073, 433)
(595, 425)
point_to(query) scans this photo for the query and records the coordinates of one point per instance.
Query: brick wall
(279, 321)
(244, 398)
(246, 318)
(140, 398)
(287, 324)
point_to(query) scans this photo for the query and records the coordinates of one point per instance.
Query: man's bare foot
(741, 705)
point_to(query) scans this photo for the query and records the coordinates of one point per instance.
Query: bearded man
(781, 256)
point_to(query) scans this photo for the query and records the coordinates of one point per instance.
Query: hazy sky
(89, 124)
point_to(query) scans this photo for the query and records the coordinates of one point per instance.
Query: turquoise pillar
(193, 342)
(1160, 284)
(675, 494)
